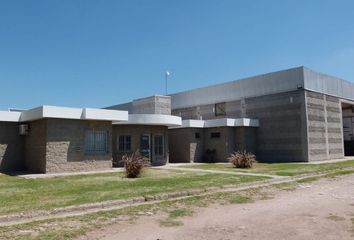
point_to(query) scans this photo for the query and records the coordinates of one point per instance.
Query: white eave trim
(7, 116)
(152, 119)
(65, 113)
(223, 122)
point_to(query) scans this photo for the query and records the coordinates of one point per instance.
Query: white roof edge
(46, 111)
(221, 122)
(7, 116)
(152, 119)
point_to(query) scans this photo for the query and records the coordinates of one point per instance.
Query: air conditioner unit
(23, 129)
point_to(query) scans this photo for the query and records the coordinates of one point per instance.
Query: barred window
(215, 135)
(220, 109)
(124, 143)
(159, 145)
(96, 142)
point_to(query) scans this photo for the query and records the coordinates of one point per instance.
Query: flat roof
(265, 84)
(64, 113)
(152, 119)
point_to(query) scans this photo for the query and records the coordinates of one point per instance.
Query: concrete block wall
(35, 147)
(184, 146)
(324, 127)
(136, 131)
(65, 146)
(246, 139)
(11, 147)
(152, 105)
(282, 135)
(223, 145)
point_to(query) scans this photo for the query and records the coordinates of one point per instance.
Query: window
(159, 145)
(124, 143)
(197, 135)
(220, 109)
(96, 142)
(215, 135)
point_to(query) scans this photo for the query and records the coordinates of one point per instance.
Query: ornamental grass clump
(242, 159)
(134, 164)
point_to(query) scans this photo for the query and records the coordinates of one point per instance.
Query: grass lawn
(281, 169)
(18, 194)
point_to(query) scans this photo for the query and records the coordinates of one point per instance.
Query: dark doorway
(348, 128)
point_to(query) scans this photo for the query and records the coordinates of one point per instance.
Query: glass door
(145, 146)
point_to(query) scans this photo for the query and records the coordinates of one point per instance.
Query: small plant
(134, 164)
(242, 159)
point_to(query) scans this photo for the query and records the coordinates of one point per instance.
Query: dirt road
(319, 210)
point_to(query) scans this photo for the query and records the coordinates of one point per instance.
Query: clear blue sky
(92, 53)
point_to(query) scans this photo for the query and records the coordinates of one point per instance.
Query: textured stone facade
(11, 147)
(135, 132)
(325, 134)
(58, 145)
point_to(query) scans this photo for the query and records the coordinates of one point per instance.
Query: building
(146, 130)
(51, 139)
(294, 115)
(301, 115)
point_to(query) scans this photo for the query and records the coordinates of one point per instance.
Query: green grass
(18, 194)
(72, 227)
(280, 169)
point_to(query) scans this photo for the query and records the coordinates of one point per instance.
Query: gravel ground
(320, 210)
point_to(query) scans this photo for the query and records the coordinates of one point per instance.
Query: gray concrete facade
(299, 112)
(136, 132)
(11, 147)
(191, 144)
(147, 105)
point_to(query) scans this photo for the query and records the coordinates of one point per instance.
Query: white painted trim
(64, 113)
(104, 114)
(221, 122)
(7, 116)
(152, 119)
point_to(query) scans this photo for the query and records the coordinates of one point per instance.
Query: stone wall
(324, 127)
(35, 147)
(65, 148)
(11, 147)
(136, 131)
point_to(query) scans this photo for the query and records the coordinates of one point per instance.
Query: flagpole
(166, 83)
(167, 73)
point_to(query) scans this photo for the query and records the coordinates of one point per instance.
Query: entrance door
(145, 145)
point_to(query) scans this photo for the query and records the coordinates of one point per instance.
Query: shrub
(242, 159)
(134, 164)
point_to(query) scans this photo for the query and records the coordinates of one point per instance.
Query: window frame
(215, 135)
(125, 143)
(220, 109)
(96, 142)
(159, 146)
